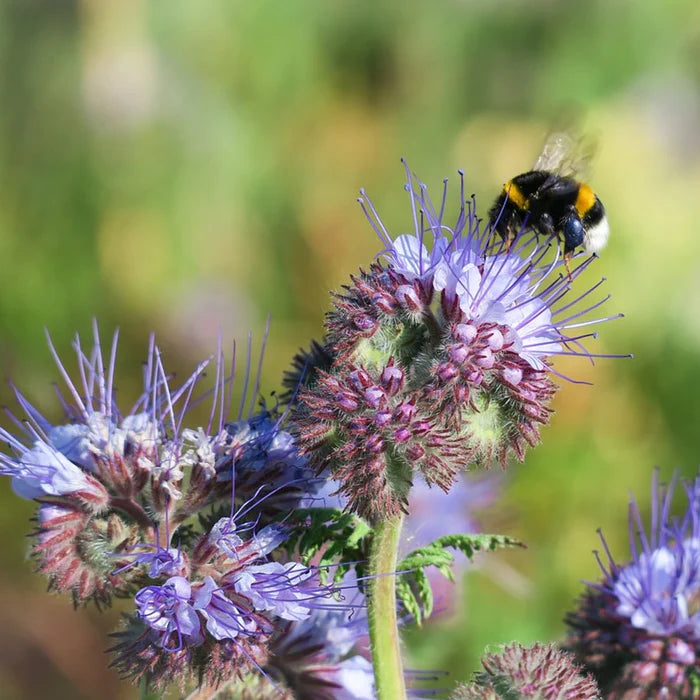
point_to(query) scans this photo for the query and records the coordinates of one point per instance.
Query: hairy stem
(381, 611)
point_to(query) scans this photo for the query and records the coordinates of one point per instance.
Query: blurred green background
(192, 166)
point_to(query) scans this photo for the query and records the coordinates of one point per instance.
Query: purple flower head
(224, 619)
(482, 283)
(277, 588)
(124, 475)
(43, 470)
(640, 626)
(440, 358)
(169, 610)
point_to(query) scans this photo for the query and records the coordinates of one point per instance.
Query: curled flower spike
(115, 486)
(216, 623)
(440, 357)
(638, 630)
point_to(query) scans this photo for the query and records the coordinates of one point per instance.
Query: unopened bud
(465, 332)
(392, 379)
(407, 297)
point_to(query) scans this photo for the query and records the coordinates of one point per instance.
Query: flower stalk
(381, 610)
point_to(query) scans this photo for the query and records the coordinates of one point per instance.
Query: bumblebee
(552, 199)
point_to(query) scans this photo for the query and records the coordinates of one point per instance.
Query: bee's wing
(565, 155)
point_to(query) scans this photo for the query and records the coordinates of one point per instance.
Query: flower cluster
(108, 482)
(638, 630)
(439, 358)
(137, 505)
(215, 620)
(541, 671)
(435, 359)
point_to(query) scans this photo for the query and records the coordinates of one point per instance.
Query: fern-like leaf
(413, 587)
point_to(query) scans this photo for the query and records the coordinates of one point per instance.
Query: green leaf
(329, 537)
(413, 587)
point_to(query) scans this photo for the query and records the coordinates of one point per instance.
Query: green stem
(381, 611)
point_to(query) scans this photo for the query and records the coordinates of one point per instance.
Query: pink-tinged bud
(392, 379)
(422, 428)
(475, 377)
(485, 359)
(407, 297)
(359, 425)
(465, 332)
(384, 303)
(512, 375)
(680, 652)
(346, 401)
(672, 674)
(531, 410)
(495, 340)
(461, 393)
(365, 324)
(459, 353)
(402, 435)
(382, 418)
(361, 379)
(405, 412)
(447, 372)
(652, 649)
(374, 443)
(374, 396)
(415, 452)
(332, 384)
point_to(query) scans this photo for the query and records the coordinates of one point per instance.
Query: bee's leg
(510, 237)
(568, 254)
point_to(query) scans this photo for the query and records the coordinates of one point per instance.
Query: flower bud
(392, 379)
(407, 297)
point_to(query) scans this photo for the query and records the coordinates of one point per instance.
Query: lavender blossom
(224, 619)
(44, 471)
(168, 610)
(439, 358)
(217, 622)
(638, 630)
(125, 481)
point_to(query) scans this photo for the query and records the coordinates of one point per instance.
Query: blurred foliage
(191, 167)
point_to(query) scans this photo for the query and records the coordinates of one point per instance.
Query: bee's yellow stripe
(585, 199)
(515, 195)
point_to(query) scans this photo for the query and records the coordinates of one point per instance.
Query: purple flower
(640, 626)
(44, 471)
(223, 535)
(160, 562)
(439, 359)
(169, 610)
(277, 588)
(488, 283)
(224, 619)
